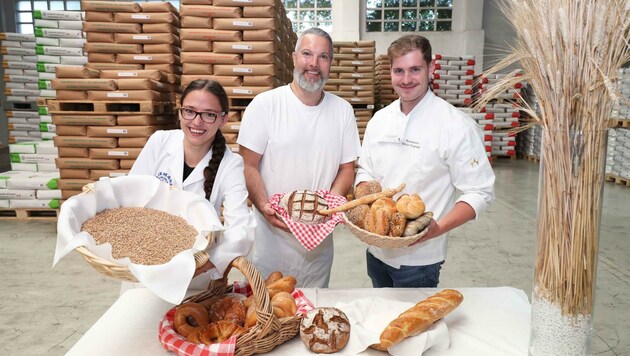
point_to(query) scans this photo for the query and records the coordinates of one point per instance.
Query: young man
(439, 150)
(297, 137)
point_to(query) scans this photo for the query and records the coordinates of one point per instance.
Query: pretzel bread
(366, 199)
(419, 318)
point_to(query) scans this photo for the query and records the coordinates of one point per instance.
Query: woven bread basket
(120, 272)
(269, 330)
(388, 241)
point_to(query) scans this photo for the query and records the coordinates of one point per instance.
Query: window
(309, 13)
(408, 15)
(25, 10)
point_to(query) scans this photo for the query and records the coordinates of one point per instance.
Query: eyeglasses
(208, 117)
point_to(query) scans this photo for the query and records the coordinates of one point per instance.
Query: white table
(490, 321)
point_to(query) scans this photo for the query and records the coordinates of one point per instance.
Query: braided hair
(218, 145)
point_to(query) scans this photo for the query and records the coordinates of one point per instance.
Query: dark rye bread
(303, 206)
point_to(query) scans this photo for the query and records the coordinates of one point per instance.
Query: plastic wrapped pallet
(453, 79)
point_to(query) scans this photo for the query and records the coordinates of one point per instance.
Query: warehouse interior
(47, 310)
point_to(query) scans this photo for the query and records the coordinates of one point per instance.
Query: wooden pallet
(613, 122)
(10, 106)
(532, 158)
(617, 180)
(240, 103)
(29, 214)
(511, 157)
(110, 107)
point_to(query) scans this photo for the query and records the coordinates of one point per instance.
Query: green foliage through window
(408, 15)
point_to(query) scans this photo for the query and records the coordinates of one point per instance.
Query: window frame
(297, 22)
(397, 22)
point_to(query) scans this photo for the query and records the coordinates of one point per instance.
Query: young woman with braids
(196, 159)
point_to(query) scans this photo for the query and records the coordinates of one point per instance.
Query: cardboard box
(210, 57)
(157, 7)
(84, 141)
(196, 22)
(142, 84)
(63, 130)
(244, 69)
(113, 47)
(222, 79)
(71, 95)
(160, 28)
(138, 142)
(79, 120)
(143, 73)
(128, 95)
(97, 16)
(75, 72)
(99, 37)
(77, 152)
(196, 46)
(112, 27)
(161, 48)
(197, 68)
(74, 173)
(114, 66)
(244, 24)
(153, 17)
(84, 84)
(156, 58)
(147, 38)
(114, 153)
(210, 11)
(131, 120)
(123, 131)
(101, 57)
(210, 35)
(244, 47)
(109, 6)
(96, 174)
(127, 163)
(259, 35)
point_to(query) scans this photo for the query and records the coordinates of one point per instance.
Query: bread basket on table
(269, 330)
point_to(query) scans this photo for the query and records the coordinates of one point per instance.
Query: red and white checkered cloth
(173, 341)
(310, 236)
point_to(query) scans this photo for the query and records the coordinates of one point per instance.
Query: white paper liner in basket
(387, 241)
(168, 281)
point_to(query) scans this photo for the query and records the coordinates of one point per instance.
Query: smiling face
(197, 132)
(312, 63)
(410, 78)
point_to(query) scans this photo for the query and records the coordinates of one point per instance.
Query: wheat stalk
(570, 52)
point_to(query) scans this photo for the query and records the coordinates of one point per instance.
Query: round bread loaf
(367, 188)
(386, 204)
(303, 206)
(357, 214)
(325, 330)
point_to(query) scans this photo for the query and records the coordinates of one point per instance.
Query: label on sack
(141, 17)
(117, 95)
(359, 50)
(246, 47)
(141, 37)
(127, 74)
(357, 63)
(117, 131)
(242, 23)
(242, 70)
(241, 91)
(118, 153)
(142, 58)
(235, 127)
(357, 75)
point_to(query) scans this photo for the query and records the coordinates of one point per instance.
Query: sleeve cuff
(477, 202)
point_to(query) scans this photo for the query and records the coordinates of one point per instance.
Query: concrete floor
(45, 310)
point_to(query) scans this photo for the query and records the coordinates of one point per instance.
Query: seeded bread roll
(397, 224)
(356, 215)
(370, 187)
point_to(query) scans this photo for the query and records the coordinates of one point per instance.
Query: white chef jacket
(436, 150)
(163, 157)
(302, 147)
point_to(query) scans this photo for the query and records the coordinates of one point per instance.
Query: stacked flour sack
(618, 154)
(384, 91)
(21, 89)
(244, 45)
(32, 183)
(621, 108)
(352, 71)
(453, 79)
(529, 142)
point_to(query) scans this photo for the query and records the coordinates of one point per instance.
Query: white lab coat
(163, 157)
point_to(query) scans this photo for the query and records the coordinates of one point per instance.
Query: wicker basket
(387, 241)
(113, 270)
(269, 330)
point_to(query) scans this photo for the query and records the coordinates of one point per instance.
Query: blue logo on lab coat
(165, 177)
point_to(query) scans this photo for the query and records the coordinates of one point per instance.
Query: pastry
(189, 316)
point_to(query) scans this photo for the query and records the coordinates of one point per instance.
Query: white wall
(466, 37)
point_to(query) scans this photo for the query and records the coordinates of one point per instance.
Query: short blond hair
(408, 43)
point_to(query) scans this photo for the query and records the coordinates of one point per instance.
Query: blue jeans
(384, 275)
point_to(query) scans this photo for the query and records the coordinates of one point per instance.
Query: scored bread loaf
(303, 206)
(419, 318)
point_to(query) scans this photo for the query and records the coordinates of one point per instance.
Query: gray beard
(310, 87)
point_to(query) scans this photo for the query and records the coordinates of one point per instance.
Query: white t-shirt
(436, 150)
(302, 147)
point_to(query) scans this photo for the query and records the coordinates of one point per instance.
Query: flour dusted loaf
(325, 330)
(303, 206)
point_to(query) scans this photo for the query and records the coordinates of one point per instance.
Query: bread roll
(386, 204)
(369, 221)
(382, 222)
(411, 206)
(397, 224)
(356, 215)
(366, 188)
(325, 330)
(274, 276)
(303, 206)
(418, 318)
(283, 305)
(284, 284)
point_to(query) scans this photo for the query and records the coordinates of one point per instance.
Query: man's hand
(434, 231)
(271, 217)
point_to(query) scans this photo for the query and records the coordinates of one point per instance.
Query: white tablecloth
(490, 321)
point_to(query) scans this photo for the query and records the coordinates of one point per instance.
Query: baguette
(366, 199)
(419, 318)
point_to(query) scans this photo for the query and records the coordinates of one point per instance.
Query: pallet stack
(384, 91)
(453, 79)
(352, 72)
(363, 117)
(619, 153)
(621, 109)
(245, 46)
